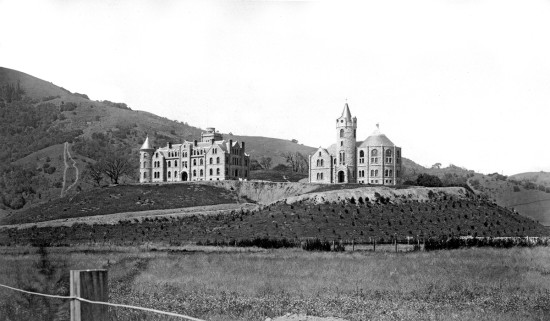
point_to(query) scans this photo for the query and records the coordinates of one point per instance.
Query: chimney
(169, 145)
(242, 145)
(195, 143)
(230, 144)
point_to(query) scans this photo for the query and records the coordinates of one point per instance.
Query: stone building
(211, 159)
(374, 161)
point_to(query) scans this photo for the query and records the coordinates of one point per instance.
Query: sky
(458, 82)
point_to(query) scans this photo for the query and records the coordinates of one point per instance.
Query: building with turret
(374, 161)
(211, 159)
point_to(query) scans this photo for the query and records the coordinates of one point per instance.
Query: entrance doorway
(184, 176)
(340, 176)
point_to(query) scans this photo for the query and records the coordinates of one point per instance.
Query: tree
(116, 166)
(265, 162)
(94, 172)
(428, 181)
(436, 166)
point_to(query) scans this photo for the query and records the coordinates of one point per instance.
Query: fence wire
(103, 303)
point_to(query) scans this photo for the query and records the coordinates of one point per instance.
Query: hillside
(529, 199)
(360, 221)
(38, 117)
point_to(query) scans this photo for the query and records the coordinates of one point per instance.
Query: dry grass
(472, 284)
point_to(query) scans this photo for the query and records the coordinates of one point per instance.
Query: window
(169, 174)
(175, 163)
(341, 143)
(388, 153)
(194, 173)
(322, 161)
(341, 133)
(157, 155)
(318, 162)
(342, 157)
(217, 160)
(319, 154)
(376, 173)
(200, 161)
(202, 172)
(388, 160)
(211, 161)
(175, 174)
(355, 133)
(169, 164)
(194, 162)
(361, 154)
(217, 171)
(144, 175)
(372, 172)
(374, 152)
(334, 161)
(211, 172)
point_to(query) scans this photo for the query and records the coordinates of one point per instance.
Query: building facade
(211, 159)
(376, 160)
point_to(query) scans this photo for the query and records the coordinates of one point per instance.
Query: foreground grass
(470, 284)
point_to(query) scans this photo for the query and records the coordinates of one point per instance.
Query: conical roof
(346, 113)
(146, 144)
(377, 139)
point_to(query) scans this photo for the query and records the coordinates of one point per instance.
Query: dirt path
(140, 216)
(67, 154)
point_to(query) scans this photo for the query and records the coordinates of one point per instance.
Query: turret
(146, 162)
(345, 152)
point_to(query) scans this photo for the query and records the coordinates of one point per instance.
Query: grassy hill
(530, 199)
(124, 198)
(38, 117)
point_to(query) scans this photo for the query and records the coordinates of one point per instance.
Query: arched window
(144, 175)
(341, 133)
(195, 162)
(217, 171)
(388, 152)
(175, 174)
(169, 174)
(217, 160)
(211, 161)
(194, 172)
(372, 172)
(361, 154)
(200, 161)
(319, 154)
(322, 161)
(175, 163)
(211, 172)
(169, 164)
(318, 162)
(374, 152)
(201, 173)
(334, 160)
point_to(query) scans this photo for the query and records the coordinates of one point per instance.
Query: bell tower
(345, 168)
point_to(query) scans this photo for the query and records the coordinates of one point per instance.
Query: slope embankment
(267, 193)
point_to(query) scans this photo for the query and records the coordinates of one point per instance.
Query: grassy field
(473, 284)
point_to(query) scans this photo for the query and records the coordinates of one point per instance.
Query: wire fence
(172, 314)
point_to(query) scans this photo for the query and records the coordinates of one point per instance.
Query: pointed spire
(146, 144)
(346, 113)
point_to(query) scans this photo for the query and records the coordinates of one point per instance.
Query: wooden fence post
(91, 285)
